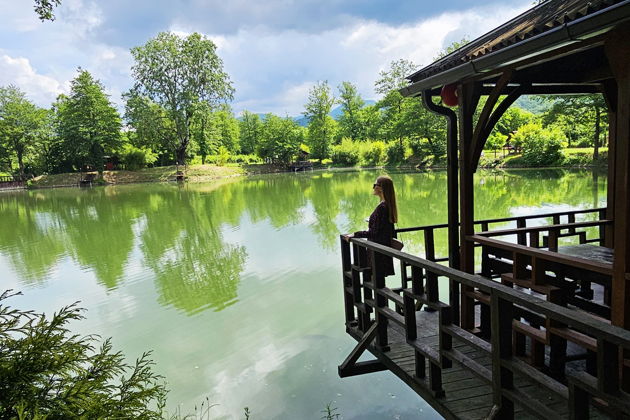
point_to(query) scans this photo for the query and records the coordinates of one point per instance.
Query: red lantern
(449, 95)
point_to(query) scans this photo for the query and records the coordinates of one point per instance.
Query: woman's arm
(377, 229)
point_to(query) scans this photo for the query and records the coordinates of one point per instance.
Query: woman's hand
(348, 237)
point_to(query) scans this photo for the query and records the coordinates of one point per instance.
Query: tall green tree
(321, 126)
(280, 140)
(177, 73)
(351, 124)
(251, 131)
(88, 124)
(20, 123)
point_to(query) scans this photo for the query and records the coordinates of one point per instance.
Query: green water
(236, 285)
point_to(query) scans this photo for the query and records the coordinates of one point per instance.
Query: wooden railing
(429, 232)
(370, 306)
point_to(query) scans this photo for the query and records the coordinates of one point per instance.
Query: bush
(223, 156)
(47, 372)
(345, 153)
(134, 158)
(395, 153)
(374, 153)
(541, 147)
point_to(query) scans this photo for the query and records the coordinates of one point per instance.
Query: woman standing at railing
(381, 223)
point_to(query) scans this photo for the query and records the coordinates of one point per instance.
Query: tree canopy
(177, 73)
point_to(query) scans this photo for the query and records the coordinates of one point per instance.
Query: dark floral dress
(380, 230)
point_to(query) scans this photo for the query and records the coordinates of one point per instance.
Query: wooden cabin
(543, 329)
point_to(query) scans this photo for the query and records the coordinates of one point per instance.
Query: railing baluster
(348, 296)
(378, 281)
(521, 237)
(607, 367)
(429, 244)
(502, 377)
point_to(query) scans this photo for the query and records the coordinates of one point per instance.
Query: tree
(89, 126)
(150, 126)
(395, 78)
(281, 138)
(456, 45)
(351, 124)
(177, 74)
(580, 114)
(321, 126)
(47, 372)
(251, 130)
(20, 123)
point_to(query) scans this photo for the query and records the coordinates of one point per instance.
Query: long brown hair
(389, 195)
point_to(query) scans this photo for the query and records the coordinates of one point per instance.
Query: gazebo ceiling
(558, 41)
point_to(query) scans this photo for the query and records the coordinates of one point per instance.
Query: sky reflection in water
(235, 285)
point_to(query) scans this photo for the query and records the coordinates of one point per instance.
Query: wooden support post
(617, 50)
(378, 280)
(610, 95)
(502, 377)
(468, 95)
(521, 236)
(607, 367)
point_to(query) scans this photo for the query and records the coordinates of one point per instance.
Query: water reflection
(178, 232)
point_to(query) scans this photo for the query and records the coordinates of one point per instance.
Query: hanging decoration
(449, 95)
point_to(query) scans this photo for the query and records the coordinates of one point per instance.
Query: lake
(236, 285)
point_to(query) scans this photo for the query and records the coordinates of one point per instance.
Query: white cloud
(39, 88)
(274, 70)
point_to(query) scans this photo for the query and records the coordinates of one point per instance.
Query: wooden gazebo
(538, 315)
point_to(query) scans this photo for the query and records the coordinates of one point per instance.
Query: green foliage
(223, 156)
(87, 123)
(396, 153)
(374, 154)
(495, 141)
(134, 158)
(48, 372)
(21, 124)
(395, 77)
(280, 139)
(44, 9)
(346, 153)
(321, 126)
(513, 119)
(453, 47)
(351, 122)
(178, 74)
(541, 147)
(250, 131)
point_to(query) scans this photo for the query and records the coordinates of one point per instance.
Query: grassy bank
(197, 173)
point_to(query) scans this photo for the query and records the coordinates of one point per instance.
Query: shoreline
(206, 173)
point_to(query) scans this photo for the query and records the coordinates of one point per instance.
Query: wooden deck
(533, 341)
(467, 395)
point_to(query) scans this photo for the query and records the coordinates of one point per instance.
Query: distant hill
(303, 121)
(531, 104)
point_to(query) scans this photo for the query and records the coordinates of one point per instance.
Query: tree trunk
(598, 117)
(20, 157)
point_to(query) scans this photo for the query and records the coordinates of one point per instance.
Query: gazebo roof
(546, 27)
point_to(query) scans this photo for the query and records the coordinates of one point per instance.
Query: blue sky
(274, 50)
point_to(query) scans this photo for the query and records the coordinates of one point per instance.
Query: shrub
(345, 153)
(223, 156)
(374, 153)
(134, 158)
(47, 372)
(541, 147)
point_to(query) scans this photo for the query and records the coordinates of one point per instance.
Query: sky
(273, 50)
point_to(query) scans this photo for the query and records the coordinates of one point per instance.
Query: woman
(381, 223)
